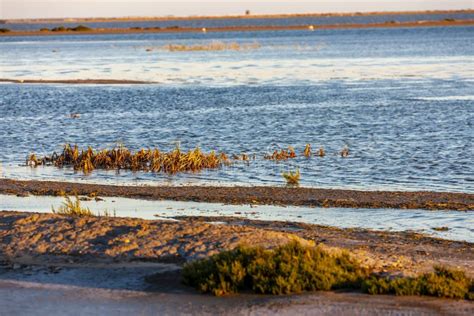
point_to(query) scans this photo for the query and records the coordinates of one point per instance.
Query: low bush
(294, 268)
(80, 28)
(291, 268)
(58, 29)
(443, 282)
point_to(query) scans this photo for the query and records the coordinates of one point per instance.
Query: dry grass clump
(294, 268)
(152, 160)
(213, 46)
(291, 268)
(292, 177)
(72, 208)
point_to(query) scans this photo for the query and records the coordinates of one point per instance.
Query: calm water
(460, 224)
(254, 21)
(401, 99)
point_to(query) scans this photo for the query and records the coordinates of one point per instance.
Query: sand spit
(31, 238)
(252, 195)
(77, 81)
(388, 24)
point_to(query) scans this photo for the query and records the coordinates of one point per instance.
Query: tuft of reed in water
(117, 158)
(292, 177)
(307, 151)
(283, 154)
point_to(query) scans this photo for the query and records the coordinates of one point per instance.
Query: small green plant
(443, 282)
(72, 208)
(292, 177)
(290, 268)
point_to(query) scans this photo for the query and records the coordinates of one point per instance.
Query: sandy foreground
(102, 263)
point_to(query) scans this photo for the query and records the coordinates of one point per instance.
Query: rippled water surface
(401, 99)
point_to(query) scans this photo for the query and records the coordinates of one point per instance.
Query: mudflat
(252, 195)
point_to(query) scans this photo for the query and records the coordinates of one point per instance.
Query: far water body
(223, 22)
(401, 100)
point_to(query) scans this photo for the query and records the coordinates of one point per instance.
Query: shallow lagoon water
(400, 99)
(460, 224)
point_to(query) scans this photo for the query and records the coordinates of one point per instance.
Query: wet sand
(388, 24)
(87, 291)
(252, 195)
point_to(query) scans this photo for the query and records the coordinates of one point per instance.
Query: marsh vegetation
(294, 268)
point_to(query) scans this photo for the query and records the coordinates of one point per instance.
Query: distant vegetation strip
(249, 15)
(82, 29)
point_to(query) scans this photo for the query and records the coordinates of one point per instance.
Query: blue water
(402, 100)
(356, 19)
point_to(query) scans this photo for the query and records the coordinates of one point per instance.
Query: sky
(16, 9)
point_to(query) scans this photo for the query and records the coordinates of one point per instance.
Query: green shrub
(294, 268)
(443, 282)
(80, 28)
(291, 268)
(59, 29)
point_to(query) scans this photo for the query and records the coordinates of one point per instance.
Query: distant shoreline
(251, 16)
(389, 24)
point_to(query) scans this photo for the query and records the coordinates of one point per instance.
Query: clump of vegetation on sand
(291, 268)
(79, 28)
(294, 268)
(121, 158)
(443, 282)
(213, 46)
(72, 208)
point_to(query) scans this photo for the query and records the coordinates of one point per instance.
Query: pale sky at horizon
(17, 9)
